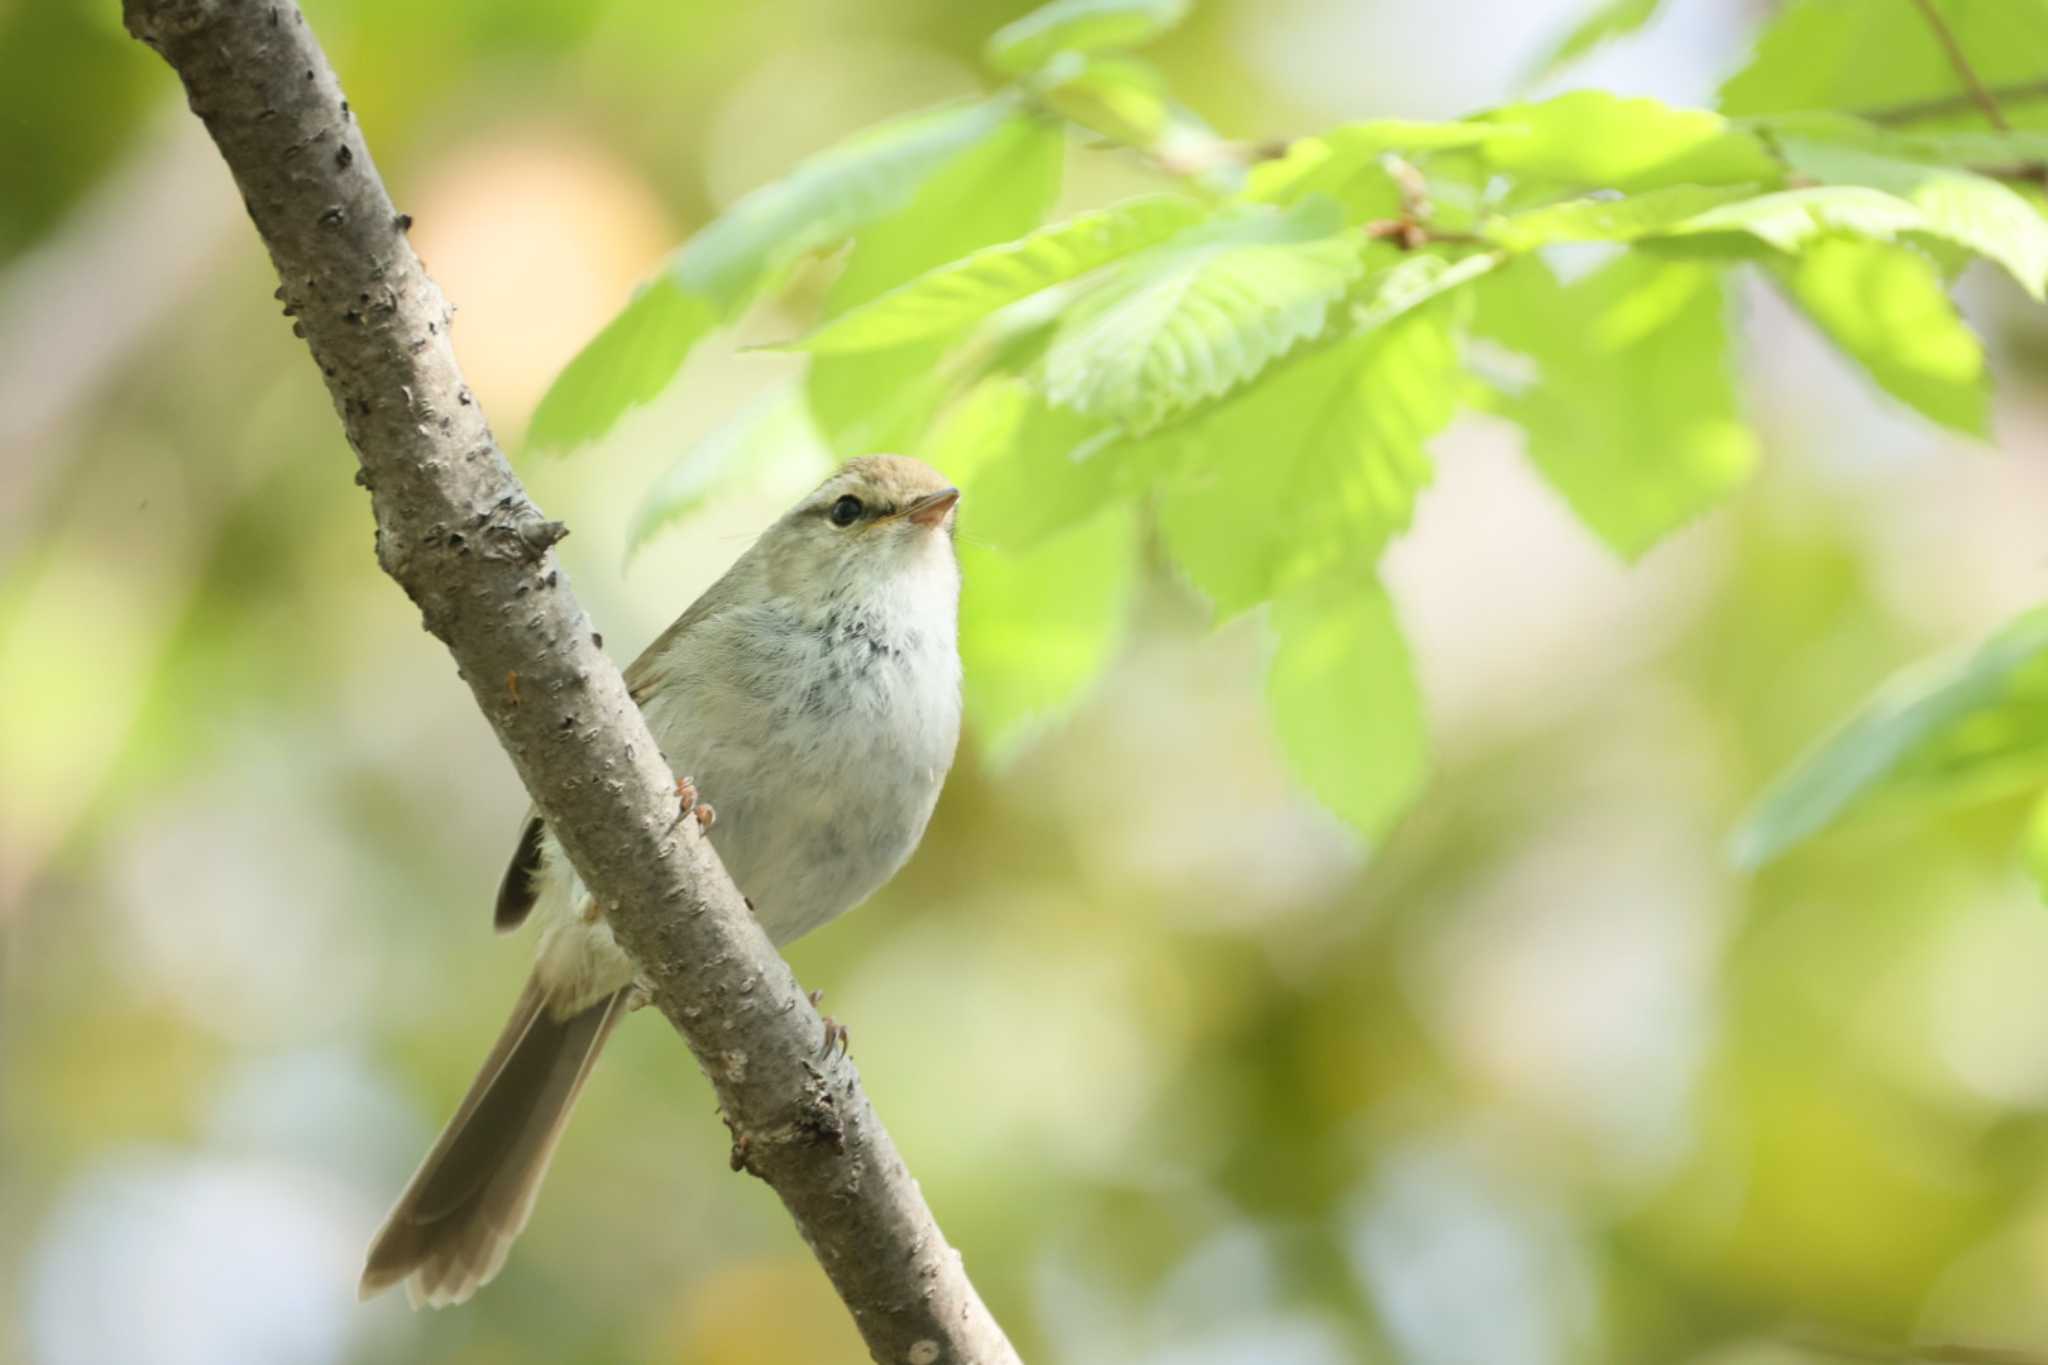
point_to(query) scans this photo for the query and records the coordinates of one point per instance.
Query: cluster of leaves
(1255, 360)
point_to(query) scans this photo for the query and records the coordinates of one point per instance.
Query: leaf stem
(1979, 93)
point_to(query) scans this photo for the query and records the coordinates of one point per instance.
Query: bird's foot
(741, 1141)
(688, 805)
(836, 1034)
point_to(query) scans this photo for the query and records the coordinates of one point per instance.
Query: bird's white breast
(820, 736)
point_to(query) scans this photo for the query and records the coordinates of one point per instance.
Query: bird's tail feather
(449, 1232)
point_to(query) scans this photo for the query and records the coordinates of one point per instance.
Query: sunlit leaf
(1037, 626)
(1886, 308)
(1868, 55)
(1963, 726)
(1788, 219)
(1611, 220)
(1344, 164)
(715, 275)
(1032, 470)
(1345, 703)
(2034, 845)
(1633, 416)
(953, 295)
(975, 431)
(1606, 21)
(1971, 146)
(1936, 146)
(1604, 141)
(768, 443)
(1080, 26)
(1970, 210)
(1190, 320)
(826, 199)
(1412, 281)
(1048, 548)
(1122, 98)
(626, 364)
(1311, 471)
(992, 190)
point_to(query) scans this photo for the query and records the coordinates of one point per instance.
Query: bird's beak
(931, 509)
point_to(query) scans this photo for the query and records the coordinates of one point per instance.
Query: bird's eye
(846, 511)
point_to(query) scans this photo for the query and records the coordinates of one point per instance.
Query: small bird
(814, 691)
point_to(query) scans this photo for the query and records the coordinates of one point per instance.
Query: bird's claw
(689, 805)
(836, 1033)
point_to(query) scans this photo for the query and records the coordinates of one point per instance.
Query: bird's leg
(741, 1141)
(836, 1034)
(688, 805)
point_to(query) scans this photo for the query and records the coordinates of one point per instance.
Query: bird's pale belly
(798, 849)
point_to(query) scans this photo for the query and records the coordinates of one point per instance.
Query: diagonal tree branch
(459, 534)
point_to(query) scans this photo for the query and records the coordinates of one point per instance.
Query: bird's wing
(517, 892)
(644, 676)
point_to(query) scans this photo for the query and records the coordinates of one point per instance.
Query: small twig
(1930, 1353)
(1413, 185)
(1979, 94)
(1948, 104)
(1412, 229)
(1406, 233)
(2032, 172)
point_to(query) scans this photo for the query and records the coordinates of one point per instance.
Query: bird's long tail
(449, 1232)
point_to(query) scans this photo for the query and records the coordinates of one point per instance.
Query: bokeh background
(1187, 1076)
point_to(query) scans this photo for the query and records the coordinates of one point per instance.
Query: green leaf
(1124, 99)
(1613, 219)
(1345, 703)
(1967, 146)
(1314, 469)
(951, 296)
(770, 443)
(1886, 308)
(1049, 556)
(974, 431)
(1970, 210)
(2034, 845)
(1609, 20)
(826, 199)
(1080, 26)
(1867, 55)
(991, 190)
(1037, 627)
(1412, 281)
(1935, 146)
(626, 364)
(1789, 219)
(1633, 418)
(1344, 164)
(1962, 726)
(1595, 139)
(1190, 320)
(1033, 469)
(717, 273)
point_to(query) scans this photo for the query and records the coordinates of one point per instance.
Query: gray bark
(458, 532)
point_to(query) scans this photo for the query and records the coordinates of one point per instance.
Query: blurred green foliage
(1188, 360)
(1188, 1073)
